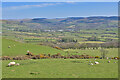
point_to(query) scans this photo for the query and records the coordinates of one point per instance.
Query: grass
(112, 52)
(60, 68)
(56, 68)
(21, 48)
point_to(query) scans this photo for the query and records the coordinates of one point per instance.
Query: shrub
(6, 58)
(20, 58)
(96, 56)
(58, 54)
(62, 56)
(58, 48)
(49, 55)
(30, 54)
(72, 57)
(81, 57)
(112, 58)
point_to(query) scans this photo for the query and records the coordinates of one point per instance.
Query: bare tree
(103, 53)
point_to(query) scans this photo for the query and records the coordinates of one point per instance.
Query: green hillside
(17, 48)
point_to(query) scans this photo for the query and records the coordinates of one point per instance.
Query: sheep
(90, 63)
(107, 58)
(11, 64)
(115, 58)
(9, 46)
(17, 64)
(28, 51)
(96, 62)
(108, 61)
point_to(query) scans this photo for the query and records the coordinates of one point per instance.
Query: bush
(29, 54)
(20, 58)
(49, 55)
(81, 57)
(6, 58)
(112, 58)
(58, 48)
(93, 38)
(96, 56)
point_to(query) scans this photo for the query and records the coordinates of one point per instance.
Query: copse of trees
(93, 38)
(68, 39)
(72, 45)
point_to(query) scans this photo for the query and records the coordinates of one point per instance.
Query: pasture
(17, 48)
(112, 52)
(56, 68)
(61, 68)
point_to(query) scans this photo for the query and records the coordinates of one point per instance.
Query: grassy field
(113, 52)
(61, 68)
(21, 48)
(56, 68)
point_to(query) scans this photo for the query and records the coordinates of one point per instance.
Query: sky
(25, 10)
(60, 0)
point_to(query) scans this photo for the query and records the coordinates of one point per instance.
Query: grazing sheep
(108, 61)
(28, 51)
(96, 62)
(9, 46)
(11, 64)
(107, 58)
(90, 63)
(115, 58)
(17, 64)
(114, 62)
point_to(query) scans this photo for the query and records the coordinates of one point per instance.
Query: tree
(103, 53)
(93, 38)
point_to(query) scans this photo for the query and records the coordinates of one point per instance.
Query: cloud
(70, 2)
(30, 6)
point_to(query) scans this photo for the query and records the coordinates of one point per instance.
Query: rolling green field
(112, 52)
(21, 48)
(67, 36)
(56, 68)
(61, 68)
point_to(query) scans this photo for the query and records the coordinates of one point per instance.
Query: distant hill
(67, 24)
